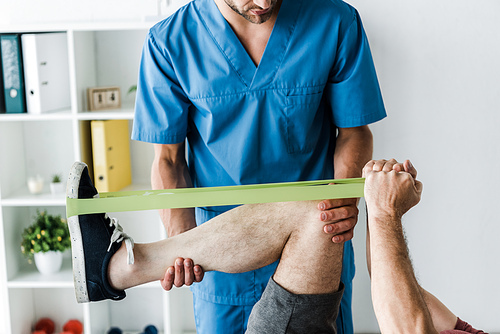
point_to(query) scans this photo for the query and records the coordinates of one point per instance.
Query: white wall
(33, 11)
(439, 68)
(49, 11)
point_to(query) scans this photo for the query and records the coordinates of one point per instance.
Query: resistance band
(216, 196)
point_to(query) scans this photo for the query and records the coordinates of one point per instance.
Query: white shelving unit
(99, 55)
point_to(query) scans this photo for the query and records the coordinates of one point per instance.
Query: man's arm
(397, 299)
(354, 147)
(442, 317)
(169, 171)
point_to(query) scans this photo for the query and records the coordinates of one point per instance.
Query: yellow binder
(111, 155)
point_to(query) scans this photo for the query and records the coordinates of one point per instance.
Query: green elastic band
(216, 196)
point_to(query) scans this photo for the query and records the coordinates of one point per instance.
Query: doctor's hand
(340, 216)
(184, 272)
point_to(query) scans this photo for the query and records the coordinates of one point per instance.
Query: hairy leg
(310, 263)
(245, 238)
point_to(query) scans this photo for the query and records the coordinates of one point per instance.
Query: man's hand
(391, 188)
(341, 216)
(184, 272)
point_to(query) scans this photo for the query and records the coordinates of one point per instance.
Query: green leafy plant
(132, 89)
(56, 178)
(47, 233)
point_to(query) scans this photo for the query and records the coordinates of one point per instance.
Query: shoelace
(118, 236)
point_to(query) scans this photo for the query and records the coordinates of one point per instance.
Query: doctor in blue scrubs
(256, 91)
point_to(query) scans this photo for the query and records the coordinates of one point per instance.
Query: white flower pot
(49, 262)
(56, 188)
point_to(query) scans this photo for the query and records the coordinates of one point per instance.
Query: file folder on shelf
(13, 78)
(46, 72)
(2, 95)
(111, 154)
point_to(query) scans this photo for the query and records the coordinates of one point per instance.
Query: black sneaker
(94, 240)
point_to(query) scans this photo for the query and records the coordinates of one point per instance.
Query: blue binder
(13, 76)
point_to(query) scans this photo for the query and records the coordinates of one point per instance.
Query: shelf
(31, 278)
(123, 113)
(53, 116)
(23, 197)
(81, 26)
(65, 115)
(100, 54)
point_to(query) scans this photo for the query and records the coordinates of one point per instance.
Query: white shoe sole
(78, 256)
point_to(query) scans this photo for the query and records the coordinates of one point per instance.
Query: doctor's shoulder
(336, 9)
(175, 24)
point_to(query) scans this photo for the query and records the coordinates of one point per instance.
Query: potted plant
(132, 89)
(45, 241)
(56, 186)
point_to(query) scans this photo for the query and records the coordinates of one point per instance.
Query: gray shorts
(280, 312)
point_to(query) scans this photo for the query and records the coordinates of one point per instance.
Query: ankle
(118, 269)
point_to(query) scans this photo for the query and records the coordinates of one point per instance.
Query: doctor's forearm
(354, 148)
(167, 175)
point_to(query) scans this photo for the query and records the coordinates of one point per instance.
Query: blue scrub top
(249, 124)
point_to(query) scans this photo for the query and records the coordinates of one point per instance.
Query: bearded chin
(251, 18)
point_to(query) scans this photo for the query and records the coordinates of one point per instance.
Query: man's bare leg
(310, 263)
(245, 238)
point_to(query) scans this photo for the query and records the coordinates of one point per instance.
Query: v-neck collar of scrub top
(232, 49)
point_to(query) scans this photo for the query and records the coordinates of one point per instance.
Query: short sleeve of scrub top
(159, 90)
(352, 90)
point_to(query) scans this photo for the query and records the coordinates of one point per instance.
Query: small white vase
(35, 185)
(48, 262)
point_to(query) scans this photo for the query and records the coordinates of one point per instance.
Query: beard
(249, 16)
